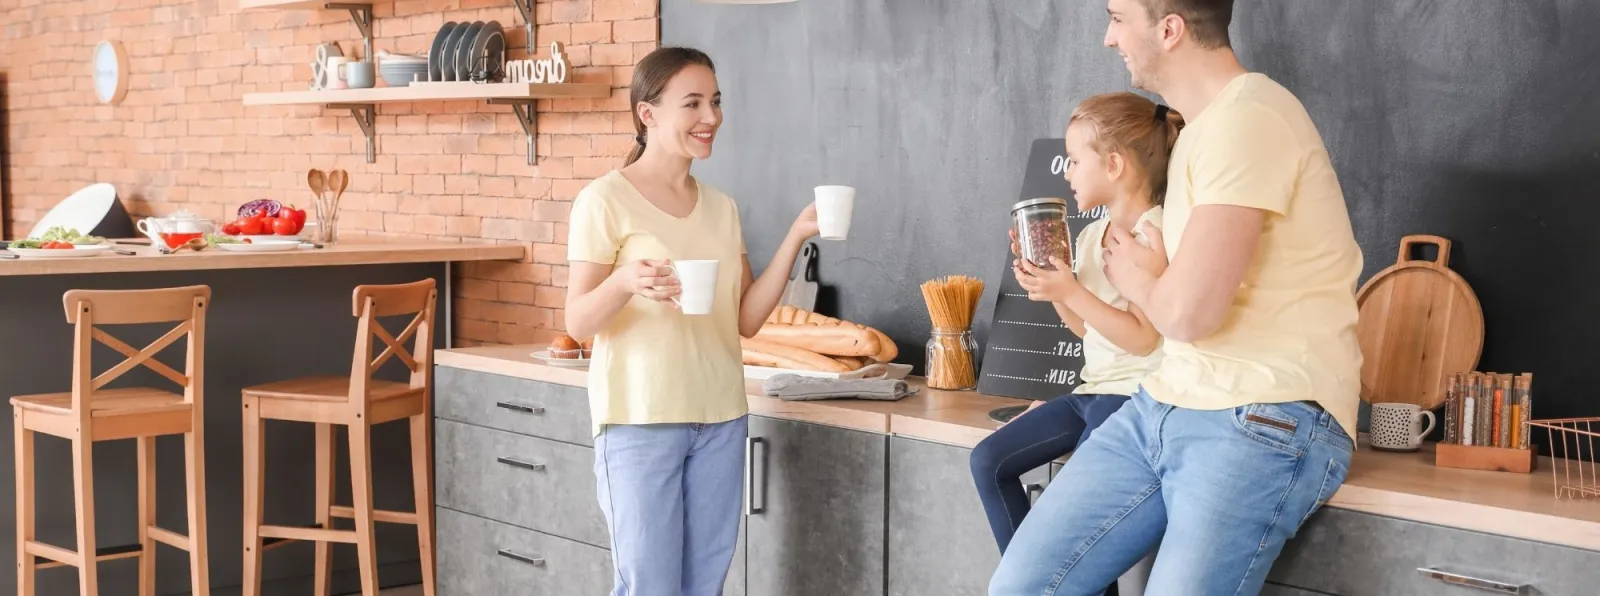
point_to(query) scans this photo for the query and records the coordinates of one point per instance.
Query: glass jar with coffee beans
(1042, 232)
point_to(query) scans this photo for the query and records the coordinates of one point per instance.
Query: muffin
(566, 348)
(588, 348)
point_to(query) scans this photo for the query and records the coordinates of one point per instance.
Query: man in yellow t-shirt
(1244, 428)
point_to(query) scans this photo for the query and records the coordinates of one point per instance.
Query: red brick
(464, 226)
(496, 186)
(591, 32)
(533, 188)
(457, 184)
(548, 297)
(555, 167)
(558, 276)
(611, 54)
(570, 146)
(515, 293)
(592, 167)
(567, 190)
(431, 185)
(570, 11)
(624, 10)
(637, 30)
(551, 254)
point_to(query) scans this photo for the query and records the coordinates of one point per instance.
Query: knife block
(1494, 459)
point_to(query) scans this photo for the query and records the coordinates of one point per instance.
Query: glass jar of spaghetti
(1042, 232)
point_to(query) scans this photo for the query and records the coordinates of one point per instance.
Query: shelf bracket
(361, 14)
(365, 115)
(525, 117)
(526, 6)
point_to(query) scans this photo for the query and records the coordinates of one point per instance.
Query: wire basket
(1572, 443)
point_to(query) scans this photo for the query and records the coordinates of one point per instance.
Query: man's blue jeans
(1219, 490)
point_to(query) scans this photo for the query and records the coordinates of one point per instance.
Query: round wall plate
(110, 65)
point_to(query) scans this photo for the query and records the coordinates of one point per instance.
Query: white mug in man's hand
(834, 207)
(697, 285)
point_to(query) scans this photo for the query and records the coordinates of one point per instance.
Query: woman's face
(1090, 174)
(686, 118)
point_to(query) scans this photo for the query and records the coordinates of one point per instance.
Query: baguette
(842, 340)
(789, 315)
(851, 363)
(887, 350)
(776, 355)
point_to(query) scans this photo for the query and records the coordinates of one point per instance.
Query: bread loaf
(851, 363)
(839, 340)
(766, 353)
(885, 351)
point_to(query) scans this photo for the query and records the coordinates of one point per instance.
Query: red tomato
(251, 226)
(283, 226)
(231, 229)
(297, 215)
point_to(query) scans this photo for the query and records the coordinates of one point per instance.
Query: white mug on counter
(835, 204)
(1398, 427)
(697, 281)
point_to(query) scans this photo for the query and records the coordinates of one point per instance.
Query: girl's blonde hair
(1143, 132)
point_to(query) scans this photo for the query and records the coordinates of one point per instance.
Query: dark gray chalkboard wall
(1477, 120)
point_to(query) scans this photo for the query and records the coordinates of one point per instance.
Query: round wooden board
(1419, 323)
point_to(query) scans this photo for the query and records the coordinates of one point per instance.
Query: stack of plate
(399, 70)
(459, 49)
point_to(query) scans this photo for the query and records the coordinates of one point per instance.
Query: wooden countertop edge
(1537, 527)
(853, 414)
(369, 253)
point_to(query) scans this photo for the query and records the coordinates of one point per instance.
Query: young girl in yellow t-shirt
(1117, 146)
(667, 389)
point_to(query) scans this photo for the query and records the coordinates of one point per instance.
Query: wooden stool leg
(199, 572)
(361, 493)
(254, 491)
(325, 467)
(24, 472)
(147, 516)
(83, 482)
(422, 486)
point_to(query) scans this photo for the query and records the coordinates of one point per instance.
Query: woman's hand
(1044, 285)
(805, 225)
(649, 278)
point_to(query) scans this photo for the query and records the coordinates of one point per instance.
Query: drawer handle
(1472, 582)
(534, 561)
(512, 461)
(520, 408)
(749, 476)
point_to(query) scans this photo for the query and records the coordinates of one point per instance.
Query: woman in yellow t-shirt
(666, 388)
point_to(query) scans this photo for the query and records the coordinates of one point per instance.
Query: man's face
(1137, 39)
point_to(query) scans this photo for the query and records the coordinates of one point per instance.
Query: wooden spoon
(338, 180)
(319, 184)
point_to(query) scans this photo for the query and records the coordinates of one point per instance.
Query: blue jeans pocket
(1331, 480)
(1271, 425)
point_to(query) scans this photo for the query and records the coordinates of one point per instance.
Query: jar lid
(1037, 202)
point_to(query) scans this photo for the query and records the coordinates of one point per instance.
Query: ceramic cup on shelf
(359, 75)
(1398, 427)
(334, 70)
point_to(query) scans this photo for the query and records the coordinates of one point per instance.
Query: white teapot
(176, 229)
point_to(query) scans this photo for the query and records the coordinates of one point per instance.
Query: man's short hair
(1207, 20)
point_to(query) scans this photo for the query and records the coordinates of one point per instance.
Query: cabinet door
(939, 537)
(1353, 554)
(816, 524)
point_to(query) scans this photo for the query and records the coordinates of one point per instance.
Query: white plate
(77, 252)
(261, 246)
(544, 356)
(886, 370)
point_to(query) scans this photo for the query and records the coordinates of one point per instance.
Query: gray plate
(492, 41)
(435, 51)
(464, 48)
(447, 64)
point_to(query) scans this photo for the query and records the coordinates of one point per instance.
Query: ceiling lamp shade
(744, 1)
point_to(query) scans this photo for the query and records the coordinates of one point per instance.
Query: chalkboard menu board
(1031, 354)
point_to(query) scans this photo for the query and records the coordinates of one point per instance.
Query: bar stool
(89, 413)
(359, 402)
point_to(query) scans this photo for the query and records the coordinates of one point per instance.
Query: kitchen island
(872, 497)
(272, 316)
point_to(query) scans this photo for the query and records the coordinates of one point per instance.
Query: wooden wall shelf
(362, 103)
(284, 4)
(432, 92)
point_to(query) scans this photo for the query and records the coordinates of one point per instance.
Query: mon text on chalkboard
(1031, 353)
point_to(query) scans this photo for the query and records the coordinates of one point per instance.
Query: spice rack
(362, 103)
(1486, 423)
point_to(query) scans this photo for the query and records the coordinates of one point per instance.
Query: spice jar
(950, 360)
(1042, 232)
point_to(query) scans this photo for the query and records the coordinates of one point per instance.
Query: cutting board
(802, 293)
(1419, 323)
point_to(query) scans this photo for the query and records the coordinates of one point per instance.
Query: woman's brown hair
(650, 78)
(1139, 129)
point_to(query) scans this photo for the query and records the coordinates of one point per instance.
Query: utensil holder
(327, 222)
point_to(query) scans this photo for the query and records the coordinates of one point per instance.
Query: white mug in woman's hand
(697, 283)
(835, 204)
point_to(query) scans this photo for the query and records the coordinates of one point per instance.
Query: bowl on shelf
(399, 73)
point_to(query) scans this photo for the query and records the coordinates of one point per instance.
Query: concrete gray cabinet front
(820, 498)
(939, 538)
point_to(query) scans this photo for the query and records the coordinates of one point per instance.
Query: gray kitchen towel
(805, 388)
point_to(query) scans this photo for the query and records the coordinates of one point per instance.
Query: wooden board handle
(1410, 242)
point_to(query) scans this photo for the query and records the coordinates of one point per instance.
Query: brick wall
(453, 171)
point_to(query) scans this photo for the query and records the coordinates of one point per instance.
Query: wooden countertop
(1401, 485)
(349, 251)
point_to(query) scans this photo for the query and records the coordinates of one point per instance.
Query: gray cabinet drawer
(525, 481)
(478, 557)
(548, 410)
(1349, 553)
